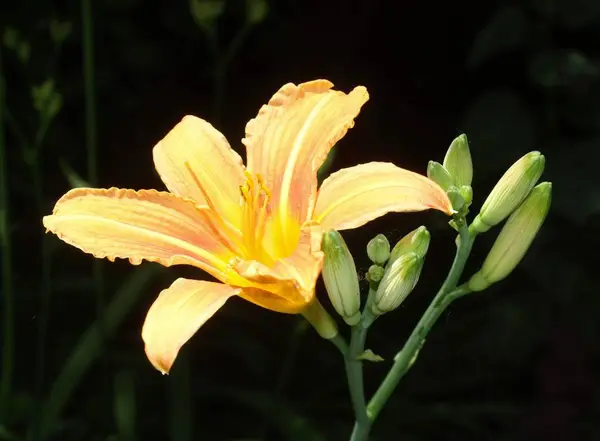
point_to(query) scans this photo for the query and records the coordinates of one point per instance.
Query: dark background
(519, 361)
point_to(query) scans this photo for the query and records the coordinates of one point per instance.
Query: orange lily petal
(146, 224)
(290, 138)
(356, 195)
(176, 315)
(289, 285)
(195, 160)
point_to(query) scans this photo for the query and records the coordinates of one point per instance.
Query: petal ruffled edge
(141, 225)
(356, 195)
(290, 138)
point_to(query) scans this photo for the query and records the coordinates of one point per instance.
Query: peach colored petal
(356, 195)
(195, 160)
(290, 281)
(146, 224)
(290, 138)
(176, 315)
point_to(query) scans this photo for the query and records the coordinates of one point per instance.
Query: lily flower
(257, 229)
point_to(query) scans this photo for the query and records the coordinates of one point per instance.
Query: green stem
(7, 287)
(90, 129)
(354, 372)
(407, 356)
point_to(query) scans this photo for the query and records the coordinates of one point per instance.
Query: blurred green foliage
(519, 362)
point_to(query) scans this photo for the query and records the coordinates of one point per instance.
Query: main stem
(354, 372)
(407, 356)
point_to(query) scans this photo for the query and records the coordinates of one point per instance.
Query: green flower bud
(509, 192)
(455, 196)
(417, 241)
(399, 280)
(339, 275)
(514, 239)
(458, 161)
(375, 273)
(378, 249)
(466, 192)
(438, 174)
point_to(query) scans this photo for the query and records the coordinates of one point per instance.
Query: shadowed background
(91, 86)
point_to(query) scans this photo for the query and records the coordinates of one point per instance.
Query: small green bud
(378, 249)
(455, 196)
(375, 273)
(466, 192)
(339, 275)
(458, 161)
(399, 280)
(438, 174)
(417, 241)
(509, 192)
(515, 238)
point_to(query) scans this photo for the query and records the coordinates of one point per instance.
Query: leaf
(89, 347)
(125, 405)
(291, 425)
(507, 30)
(369, 355)
(74, 178)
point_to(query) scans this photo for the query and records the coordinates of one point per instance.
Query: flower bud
(514, 239)
(375, 273)
(509, 192)
(466, 192)
(399, 280)
(416, 241)
(458, 161)
(455, 196)
(339, 275)
(378, 249)
(438, 174)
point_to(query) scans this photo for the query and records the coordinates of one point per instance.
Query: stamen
(218, 225)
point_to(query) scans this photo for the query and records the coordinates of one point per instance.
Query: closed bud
(399, 280)
(514, 239)
(378, 249)
(466, 192)
(455, 196)
(417, 241)
(339, 275)
(375, 273)
(458, 161)
(509, 192)
(438, 174)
